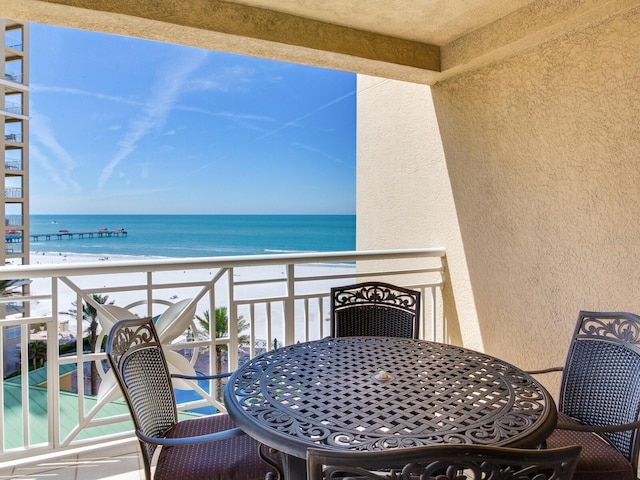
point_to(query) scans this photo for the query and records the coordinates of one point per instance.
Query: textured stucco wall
(403, 192)
(542, 154)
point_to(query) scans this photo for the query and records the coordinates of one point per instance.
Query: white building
(14, 112)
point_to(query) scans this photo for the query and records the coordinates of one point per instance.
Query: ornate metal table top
(374, 393)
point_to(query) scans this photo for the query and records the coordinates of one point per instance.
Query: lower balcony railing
(59, 398)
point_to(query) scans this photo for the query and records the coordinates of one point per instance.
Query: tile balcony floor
(121, 461)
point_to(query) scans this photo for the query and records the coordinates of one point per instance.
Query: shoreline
(45, 257)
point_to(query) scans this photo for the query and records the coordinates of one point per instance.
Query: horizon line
(203, 214)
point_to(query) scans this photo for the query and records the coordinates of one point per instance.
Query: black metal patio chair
(599, 403)
(374, 309)
(208, 447)
(446, 462)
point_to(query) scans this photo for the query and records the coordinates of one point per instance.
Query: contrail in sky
(167, 92)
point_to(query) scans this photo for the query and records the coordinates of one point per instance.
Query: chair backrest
(458, 462)
(374, 309)
(601, 378)
(136, 357)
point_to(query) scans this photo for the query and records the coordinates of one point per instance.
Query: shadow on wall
(451, 328)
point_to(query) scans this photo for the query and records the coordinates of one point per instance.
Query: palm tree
(8, 287)
(222, 330)
(90, 315)
(37, 354)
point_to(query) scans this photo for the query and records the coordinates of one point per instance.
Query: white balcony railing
(12, 107)
(12, 164)
(281, 299)
(13, 192)
(13, 220)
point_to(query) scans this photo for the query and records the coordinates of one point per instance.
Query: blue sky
(123, 125)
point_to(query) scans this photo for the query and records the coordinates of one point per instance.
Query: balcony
(13, 44)
(13, 192)
(12, 164)
(14, 249)
(14, 77)
(52, 411)
(12, 107)
(13, 220)
(13, 137)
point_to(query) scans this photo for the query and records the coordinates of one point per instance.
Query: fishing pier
(66, 234)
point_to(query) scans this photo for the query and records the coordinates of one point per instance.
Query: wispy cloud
(317, 151)
(224, 79)
(145, 168)
(289, 124)
(130, 101)
(308, 114)
(193, 85)
(97, 95)
(230, 115)
(38, 156)
(53, 157)
(165, 95)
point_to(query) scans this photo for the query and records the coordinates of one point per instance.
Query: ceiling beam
(231, 27)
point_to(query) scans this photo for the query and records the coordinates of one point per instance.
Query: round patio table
(378, 393)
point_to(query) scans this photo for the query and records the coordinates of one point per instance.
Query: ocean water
(198, 235)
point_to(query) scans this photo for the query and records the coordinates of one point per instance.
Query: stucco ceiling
(421, 41)
(436, 22)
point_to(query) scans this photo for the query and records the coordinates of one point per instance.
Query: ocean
(198, 235)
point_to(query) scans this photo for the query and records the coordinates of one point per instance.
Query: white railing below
(278, 300)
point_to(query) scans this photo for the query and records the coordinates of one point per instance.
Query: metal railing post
(290, 307)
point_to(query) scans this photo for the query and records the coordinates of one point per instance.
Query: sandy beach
(126, 298)
(66, 297)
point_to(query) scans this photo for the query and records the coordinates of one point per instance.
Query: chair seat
(233, 459)
(598, 460)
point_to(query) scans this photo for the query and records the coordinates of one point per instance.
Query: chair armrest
(545, 370)
(201, 377)
(581, 427)
(211, 437)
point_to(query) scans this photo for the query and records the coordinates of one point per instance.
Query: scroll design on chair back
(126, 338)
(451, 462)
(375, 309)
(377, 293)
(616, 328)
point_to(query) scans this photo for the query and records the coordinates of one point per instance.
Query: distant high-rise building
(14, 112)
